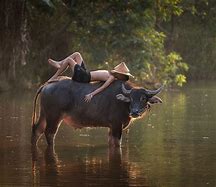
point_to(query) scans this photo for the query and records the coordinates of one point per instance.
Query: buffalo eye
(142, 98)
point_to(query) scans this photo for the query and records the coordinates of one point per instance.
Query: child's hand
(88, 97)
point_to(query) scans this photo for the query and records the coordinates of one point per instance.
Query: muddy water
(175, 145)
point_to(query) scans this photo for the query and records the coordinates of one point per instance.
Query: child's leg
(75, 56)
(65, 63)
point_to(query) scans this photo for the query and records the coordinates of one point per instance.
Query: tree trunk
(13, 37)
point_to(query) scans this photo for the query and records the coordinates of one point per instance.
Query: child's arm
(88, 97)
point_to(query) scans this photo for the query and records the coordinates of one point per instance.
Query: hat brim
(128, 74)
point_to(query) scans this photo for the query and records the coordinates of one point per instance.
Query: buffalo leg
(115, 134)
(51, 130)
(38, 129)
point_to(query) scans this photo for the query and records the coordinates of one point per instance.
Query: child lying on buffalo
(80, 74)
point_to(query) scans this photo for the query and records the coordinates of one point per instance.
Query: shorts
(80, 74)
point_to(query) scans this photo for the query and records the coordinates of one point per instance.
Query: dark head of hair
(121, 76)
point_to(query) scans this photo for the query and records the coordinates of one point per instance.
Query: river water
(175, 145)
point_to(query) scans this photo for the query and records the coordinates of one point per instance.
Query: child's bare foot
(54, 63)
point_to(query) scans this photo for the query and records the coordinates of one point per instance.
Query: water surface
(175, 145)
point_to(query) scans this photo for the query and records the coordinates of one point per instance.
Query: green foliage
(194, 37)
(165, 9)
(173, 66)
(180, 79)
(103, 31)
(115, 31)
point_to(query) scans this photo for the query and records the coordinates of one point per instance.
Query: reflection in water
(173, 146)
(44, 166)
(84, 166)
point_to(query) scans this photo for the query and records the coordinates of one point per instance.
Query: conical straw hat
(122, 69)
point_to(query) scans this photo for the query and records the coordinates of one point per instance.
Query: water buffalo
(113, 108)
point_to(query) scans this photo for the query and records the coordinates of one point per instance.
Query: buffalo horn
(151, 93)
(125, 91)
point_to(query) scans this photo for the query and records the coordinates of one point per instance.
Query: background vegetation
(159, 40)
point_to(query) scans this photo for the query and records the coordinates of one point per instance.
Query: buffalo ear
(154, 100)
(122, 98)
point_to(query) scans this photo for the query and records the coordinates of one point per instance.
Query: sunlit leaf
(180, 79)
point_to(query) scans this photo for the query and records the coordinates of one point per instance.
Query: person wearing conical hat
(80, 74)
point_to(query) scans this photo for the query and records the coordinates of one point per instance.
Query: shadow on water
(173, 146)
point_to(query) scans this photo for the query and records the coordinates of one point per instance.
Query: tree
(104, 31)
